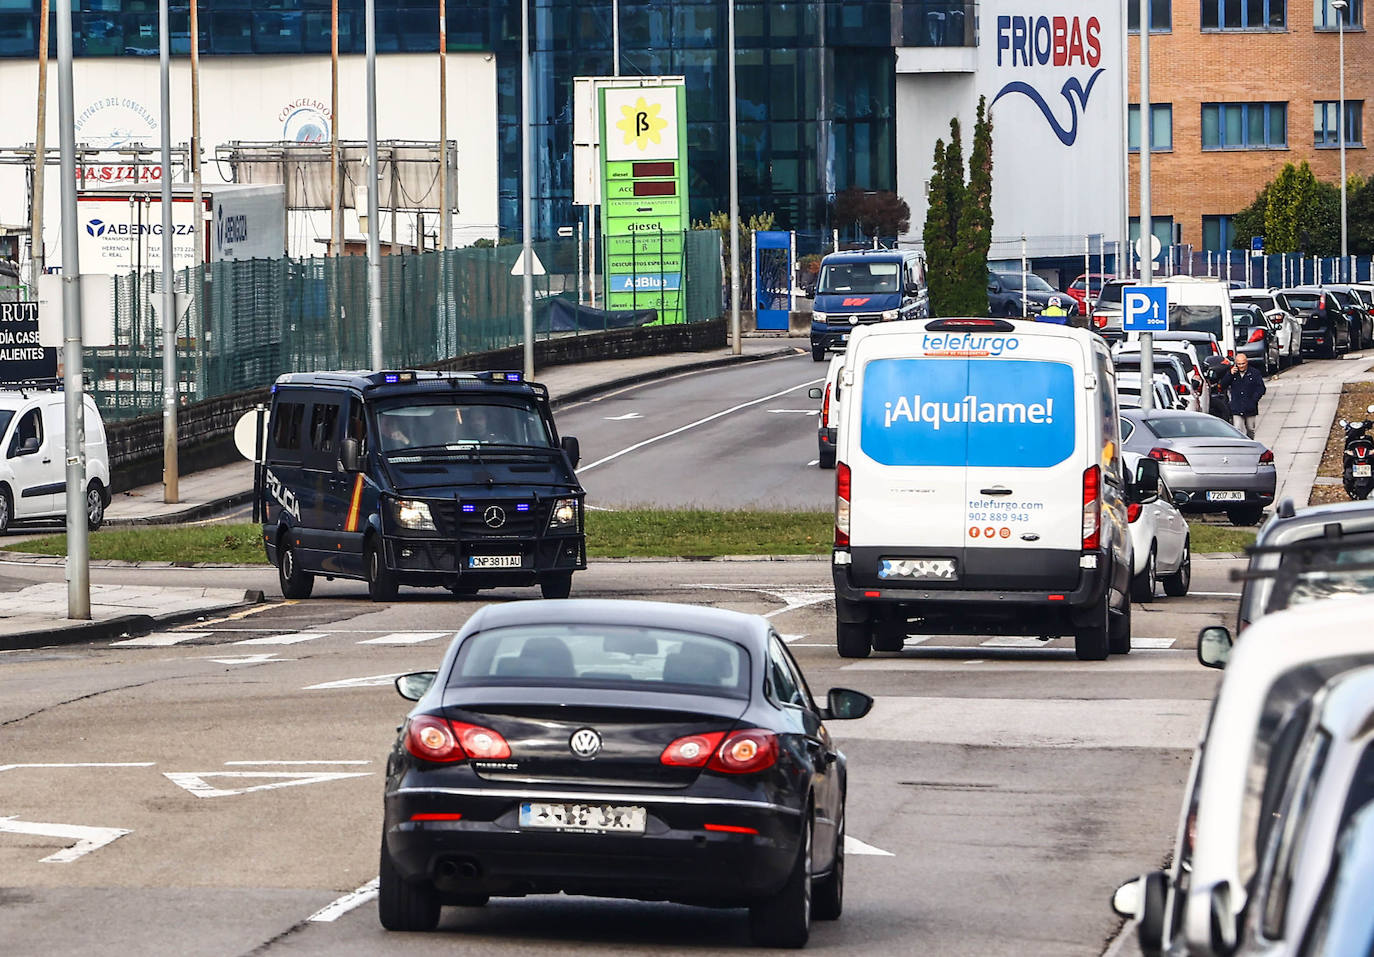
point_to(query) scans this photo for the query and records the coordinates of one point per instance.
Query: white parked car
(1128, 391)
(1181, 352)
(1287, 327)
(1159, 540)
(33, 472)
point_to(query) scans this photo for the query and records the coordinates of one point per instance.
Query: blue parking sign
(1144, 309)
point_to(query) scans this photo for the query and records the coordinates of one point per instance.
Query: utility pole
(1339, 6)
(74, 393)
(374, 265)
(736, 342)
(170, 491)
(527, 251)
(335, 187)
(1123, 253)
(1147, 246)
(200, 262)
(443, 128)
(40, 154)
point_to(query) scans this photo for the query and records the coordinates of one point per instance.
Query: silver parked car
(1211, 466)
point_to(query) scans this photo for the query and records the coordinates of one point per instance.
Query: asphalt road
(1002, 791)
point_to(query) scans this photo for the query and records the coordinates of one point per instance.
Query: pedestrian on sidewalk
(1245, 387)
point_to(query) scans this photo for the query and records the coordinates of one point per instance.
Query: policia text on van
(419, 478)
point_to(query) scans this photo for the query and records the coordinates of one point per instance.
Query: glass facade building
(816, 79)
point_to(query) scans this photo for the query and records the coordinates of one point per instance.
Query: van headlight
(819, 316)
(564, 515)
(414, 515)
(889, 315)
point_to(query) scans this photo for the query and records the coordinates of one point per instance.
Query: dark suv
(1326, 329)
(1006, 290)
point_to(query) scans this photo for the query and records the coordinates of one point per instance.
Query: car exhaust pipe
(456, 870)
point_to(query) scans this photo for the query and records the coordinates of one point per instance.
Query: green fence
(257, 319)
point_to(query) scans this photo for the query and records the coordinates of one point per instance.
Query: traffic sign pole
(1147, 262)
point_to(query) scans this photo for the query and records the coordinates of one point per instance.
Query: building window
(1161, 127)
(1244, 126)
(1244, 14)
(1217, 233)
(1325, 17)
(1161, 16)
(1325, 128)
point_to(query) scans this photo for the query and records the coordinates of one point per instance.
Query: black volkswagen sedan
(617, 749)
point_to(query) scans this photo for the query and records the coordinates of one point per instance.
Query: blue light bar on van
(513, 376)
(393, 378)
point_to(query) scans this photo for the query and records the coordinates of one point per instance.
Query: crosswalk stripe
(404, 638)
(1012, 642)
(294, 638)
(1151, 644)
(160, 639)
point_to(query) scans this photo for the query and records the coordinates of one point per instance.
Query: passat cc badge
(585, 743)
(494, 516)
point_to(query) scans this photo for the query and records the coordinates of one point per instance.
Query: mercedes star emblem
(585, 743)
(494, 516)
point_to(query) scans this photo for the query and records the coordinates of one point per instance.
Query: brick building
(1237, 89)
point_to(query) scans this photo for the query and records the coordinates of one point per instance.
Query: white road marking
(87, 838)
(622, 418)
(194, 781)
(247, 659)
(93, 764)
(160, 639)
(813, 462)
(1213, 594)
(369, 682)
(1012, 641)
(405, 638)
(852, 845)
(1151, 644)
(294, 638)
(351, 900)
(800, 596)
(692, 425)
(789, 639)
(793, 411)
(291, 763)
(976, 661)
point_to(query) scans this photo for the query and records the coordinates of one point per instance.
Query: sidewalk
(209, 491)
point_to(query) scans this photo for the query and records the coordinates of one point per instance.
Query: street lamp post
(1339, 6)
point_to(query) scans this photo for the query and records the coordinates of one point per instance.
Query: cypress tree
(936, 234)
(975, 223)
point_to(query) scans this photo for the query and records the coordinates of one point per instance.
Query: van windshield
(1294, 301)
(438, 425)
(859, 277)
(1196, 319)
(5, 416)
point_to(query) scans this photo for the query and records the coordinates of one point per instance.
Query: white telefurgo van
(980, 488)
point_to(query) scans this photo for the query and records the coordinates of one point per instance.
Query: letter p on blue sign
(1144, 309)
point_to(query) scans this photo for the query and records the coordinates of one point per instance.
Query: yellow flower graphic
(642, 124)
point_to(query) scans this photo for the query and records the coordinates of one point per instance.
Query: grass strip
(636, 533)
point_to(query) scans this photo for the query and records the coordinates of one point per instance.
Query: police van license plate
(1225, 496)
(494, 561)
(1360, 471)
(583, 817)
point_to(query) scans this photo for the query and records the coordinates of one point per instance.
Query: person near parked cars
(1244, 387)
(1054, 311)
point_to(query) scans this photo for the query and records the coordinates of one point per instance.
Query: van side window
(1111, 419)
(324, 427)
(286, 427)
(30, 427)
(357, 425)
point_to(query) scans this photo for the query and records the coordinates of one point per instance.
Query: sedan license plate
(494, 561)
(600, 818)
(1360, 471)
(1225, 496)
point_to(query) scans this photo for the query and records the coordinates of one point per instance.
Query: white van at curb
(33, 471)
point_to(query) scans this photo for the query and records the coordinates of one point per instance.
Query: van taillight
(825, 408)
(1092, 509)
(841, 505)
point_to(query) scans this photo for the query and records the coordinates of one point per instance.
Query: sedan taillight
(692, 751)
(1168, 455)
(432, 738)
(1266, 457)
(745, 752)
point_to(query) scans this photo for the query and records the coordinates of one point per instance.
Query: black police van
(419, 478)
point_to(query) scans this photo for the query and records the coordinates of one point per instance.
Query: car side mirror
(1214, 646)
(1181, 499)
(572, 449)
(841, 704)
(350, 454)
(1147, 475)
(1142, 900)
(816, 394)
(413, 686)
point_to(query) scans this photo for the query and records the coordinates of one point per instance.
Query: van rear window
(286, 427)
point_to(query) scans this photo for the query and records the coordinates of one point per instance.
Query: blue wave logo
(1073, 91)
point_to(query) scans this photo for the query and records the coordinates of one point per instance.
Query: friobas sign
(22, 358)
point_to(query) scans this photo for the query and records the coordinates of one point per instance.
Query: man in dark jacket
(1245, 387)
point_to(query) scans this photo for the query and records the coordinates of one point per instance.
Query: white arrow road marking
(99, 764)
(371, 681)
(294, 638)
(247, 659)
(793, 411)
(692, 425)
(788, 639)
(620, 418)
(160, 639)
(852, 845)
(791, 597)
(335, 910)
(87, 838)
(405, 638)
(194, 781)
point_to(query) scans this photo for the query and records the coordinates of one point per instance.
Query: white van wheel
(6, 510)
(95, 506)
(852, 639)
(1090, 640)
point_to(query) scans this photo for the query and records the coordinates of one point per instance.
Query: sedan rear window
(1201, 426)
(609, 656)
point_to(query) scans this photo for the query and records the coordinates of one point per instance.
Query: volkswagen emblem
(494, 516)
(585, 743)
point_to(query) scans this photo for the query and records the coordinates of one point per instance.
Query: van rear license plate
(1225, 496)
(600, 818)
(917, 569)
(494, 561)
(1360, 471)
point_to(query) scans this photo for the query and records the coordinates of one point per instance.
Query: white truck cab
(980, 487)
(33, 471)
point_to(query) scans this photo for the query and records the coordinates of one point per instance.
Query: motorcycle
(1357, 473)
